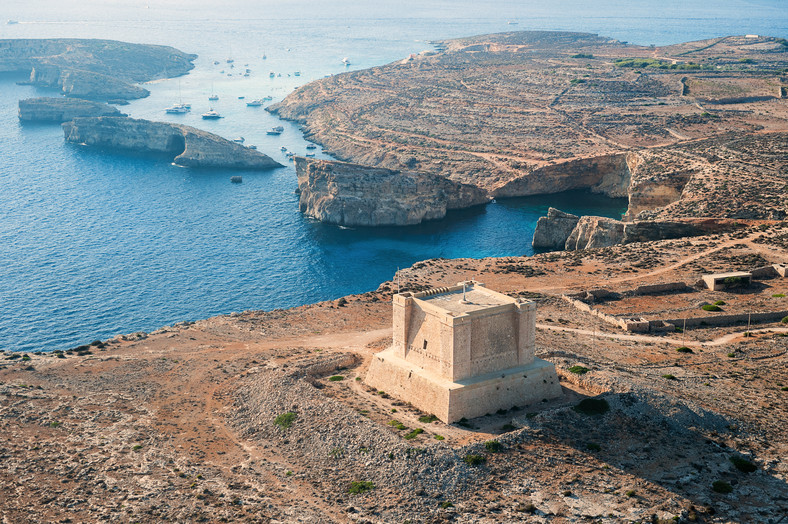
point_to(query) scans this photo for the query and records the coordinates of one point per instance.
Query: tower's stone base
(468, 398)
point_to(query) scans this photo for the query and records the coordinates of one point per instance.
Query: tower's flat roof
(477, 298)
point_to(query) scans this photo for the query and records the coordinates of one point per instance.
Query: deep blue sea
(95, 244)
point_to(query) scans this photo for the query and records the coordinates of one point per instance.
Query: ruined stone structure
(463, 351)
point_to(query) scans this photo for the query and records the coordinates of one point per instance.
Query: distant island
(93, 69)
(690, 131)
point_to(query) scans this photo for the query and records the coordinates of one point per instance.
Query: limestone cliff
(98, 69)
(62, 109)
(552, 231)
(593, 232)
(355, 195)
(606, 174)
(186, 145)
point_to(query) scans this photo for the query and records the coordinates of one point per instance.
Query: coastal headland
(694, 130)
(257, 415)
(93, 69)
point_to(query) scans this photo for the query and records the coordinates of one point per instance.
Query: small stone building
(463, 351)
(722, 281)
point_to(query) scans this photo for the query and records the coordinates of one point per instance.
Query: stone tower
(463, 351)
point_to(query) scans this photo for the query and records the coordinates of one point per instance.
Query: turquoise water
(93, 244)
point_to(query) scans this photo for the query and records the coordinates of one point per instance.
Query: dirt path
(720, 341)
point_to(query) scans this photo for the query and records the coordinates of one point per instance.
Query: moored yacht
(211, 115)
(255, 103)
(275, 130)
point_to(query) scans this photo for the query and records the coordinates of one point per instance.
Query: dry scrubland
(181, 424)
(262, 416)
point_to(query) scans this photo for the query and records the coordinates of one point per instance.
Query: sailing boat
(213, 96)
(179, 108)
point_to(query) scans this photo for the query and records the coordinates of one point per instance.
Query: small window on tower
(425, 345)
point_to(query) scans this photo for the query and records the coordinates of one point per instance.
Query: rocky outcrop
(62, 109)
(552, 231)
(96, 69)
(591, 232)
(186, 145)
(355, 195)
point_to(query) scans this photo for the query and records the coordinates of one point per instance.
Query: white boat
(241, 97)
(255, 103)
(268, 98)
(311, 146)
(283, 148)
(177, 109)
(271, 74)
(211, 115)
(297, 73)
(289, 154)
(215, 62)
(310, 155)
(275, 130)
(213, 97)
(346, 61)
(252, 147)
(12, 22)
(230, 60)
(240, 140)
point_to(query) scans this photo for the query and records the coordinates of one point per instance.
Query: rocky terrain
(692, 130)
(261, 416)
(93, 69)
(184, 145)
(59, 110)
(353, 195)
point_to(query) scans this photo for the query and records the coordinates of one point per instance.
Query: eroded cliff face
(552, 231)
(186, 145)
(594, 232)
(62, 109)
(607, 174)
(355, 195)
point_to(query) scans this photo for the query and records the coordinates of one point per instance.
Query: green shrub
(446, 504)
(493, 446)
(784, 320)
(669, 377)
(684, 349)
(733, 282)
(711, 307)
(577, 81)
(582, 55)
(398, 425)
(778, 295)
(593, 446)
(578, 370)
(285, 420)
(719, 303)
(413, 434)
(592, 406)
(440, 437)
(336, 378)
(475, 460)
(426, 419)
(358, 487)
(631, 493)
(743, 465)
(135, 447)
(731, 355)
(720, 486)
(508, 427)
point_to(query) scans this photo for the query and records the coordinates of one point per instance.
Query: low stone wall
(582, 306)
(728, 320)
(655, 289)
